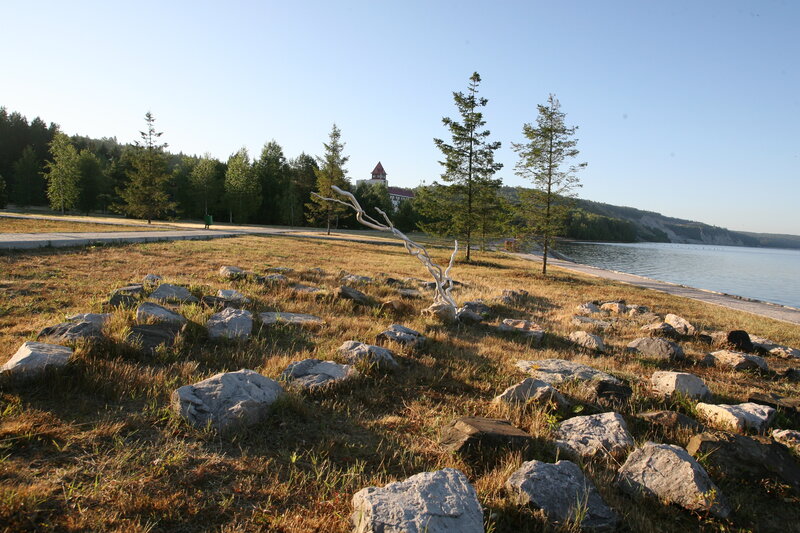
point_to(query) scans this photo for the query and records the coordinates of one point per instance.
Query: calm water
(768, 274)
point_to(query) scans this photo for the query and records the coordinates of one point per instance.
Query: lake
(768, 274)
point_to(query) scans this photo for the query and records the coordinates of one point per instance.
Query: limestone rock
(348, 293)
(442, 311)
(558, 489)
(429, 502)
(475, 434)
(638, 310)
(227, 401)
(659, 329)
(514, 297)
(396, 307)
(658, 348)
(478, 306)
(233, 296)
(71, 332)
(524, 328)
(355, 280)
(739, 417)
(172, 294)
(313, 373)
(579, 320)
(232, 272)
(601, 434)
(681, 325)
(736, 360)
(306, 289)
(588, 341)
(230, 324)
(671, 420)
(670, 474)
(411, 294)
(280, 270)
(788, 437)
(136, 290)
(152, 280)
(295, 319)
(98, 319)
(668, 383)
(34, 358)
(532, 390)
(150, 336)
(790, 406)
(154, 313)
(355, 352)
(469, 317)
(556, 371)
(617, 308)
(402, 335)
(126, 296)
(588, 308)
(273, 280)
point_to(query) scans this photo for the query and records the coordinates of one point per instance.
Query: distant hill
(597, 221)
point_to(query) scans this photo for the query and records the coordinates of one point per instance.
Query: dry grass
(38, 225)
(96, 447)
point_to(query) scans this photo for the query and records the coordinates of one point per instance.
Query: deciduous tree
(63, 174)
(204, 180)
(242, 189)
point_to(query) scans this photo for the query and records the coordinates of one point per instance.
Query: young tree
(242, 189)
(469, 161)
(331, 172)
(204, 181)
(549, 145)
(63, 174)
(145, 195)
(26, 178)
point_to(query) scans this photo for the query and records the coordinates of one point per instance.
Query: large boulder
(355, 352)
(174, 294)
(681, 325)
(604, 434)
(668, 473)
(429, 502)
(524, 328)
(555, 371)
(230, 324)
(736, 360)
(666, 384)
(71, 332)
(401, 335)
(563, 493)
(657, 347)
(296, 319)
(34, 358)
(532, 390)
(741, 417)
(313, 373)
(148, 312)
(475, 434)
(227, 400)
(587, 341)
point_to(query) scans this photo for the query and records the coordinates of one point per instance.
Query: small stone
(348, 293)
(532, 390)
(514, 297)
(468, 317)
(434, 502)
(355, 352)
(280, 270)
(411, 294)
(172, 294)
(313, 373)
(524, 328)
(474, 434)
(441, 311)
(71, 332)
(34, 358)
(150, 336)
(152, 280)
(564, 493)
(555, 371)
(658, 348)
(356, 280)
(788, 437)
(579, 320)
(587, 341)
(273, 280)
(668, 473)
(295, 319)
(671, 420)
(306, 289)
(396, 307)
(736, 360)
(215, 302)
(401, 335)
(638, 310)
(666, 384)
(136, 290)
(148, 312)
(588, 308)
(232, 272)
(616, 308)
(588, 436)
(681, 325)
(233, 296)
(234, 324)
(660, 329)
(741, 417)
(227, 401)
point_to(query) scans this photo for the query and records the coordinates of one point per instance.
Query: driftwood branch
(444, 284)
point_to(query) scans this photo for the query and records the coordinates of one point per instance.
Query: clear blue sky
(688, 108)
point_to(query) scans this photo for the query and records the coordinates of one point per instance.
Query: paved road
(778, 312)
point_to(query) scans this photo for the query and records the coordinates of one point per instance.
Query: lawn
(38, 225)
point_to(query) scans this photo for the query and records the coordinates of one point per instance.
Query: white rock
(441, 311)
(657, 347)
(681, 325)
(579, 320)
(739, 417)
(231, 272)
(588, 308)
(297, 319)
(614, 307)
(151, 280)
(736, 360)
(429, 502)
(525, 328)
(233, 296)
(601, 434)
(313, 373)
(668, 473)
(683, 383)
(556, 371)
(587, 340)
(563, 493)
(402, 335)
(33, 358)
(785, 352)
(788, 437)
(230, 324)
(531, 390)
(149, 312)
(355, 352)
(227, 400)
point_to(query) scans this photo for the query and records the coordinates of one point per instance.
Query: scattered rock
(442, 311)
(588, 308)
(514, 297)
(735, 360)
(355, 280)
(313, 373)
(475, 434)
(136, 290)
(532, 390)
(230, 324)
(683, 383)
(396, 307)
(563, 493)
(232, 272)
(227, 401)
(126, 297)
(150, 336)
(307, 289)
(579, 320)
(788, 437)
(660, 329)
(738, 340)
(588, 341)
(668, 473)
(588, 436)
(748, 457)
(411, 294)
(785, 352)
(434, 502)
(658, 348)
(401, 335)
(618, 308)
(681, 325)
(152, 280)
(792, 374)
(638, 310)
(154, 313)
(348, 293)
(280, 270)
(478, 306)
(469, 317)
(791, 406)
(556, 371)
(355, 352)
(71, 332)
(273, 280)
(295, 319)
(98, 319)
(608, 392)
(233, 296)
(34, 358)
(524, 328)
(739, 417)
(215, 302)
(172, 294)
(671, 420)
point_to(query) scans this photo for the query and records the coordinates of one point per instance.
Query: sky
(690, 109)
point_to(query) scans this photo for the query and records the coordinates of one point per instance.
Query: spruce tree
(331, 172)
(204, 181)
(3, 193)
(26, 178)
(242, 189)
(63, 174)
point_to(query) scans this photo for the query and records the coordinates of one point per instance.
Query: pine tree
(331, 172)
(469, 161)
(26, 178)
(548, 146)
(242, 189)
(303, 180)
(3, 193)
(145, 195)
(204, 181)
(91, 181)
(63, 174)
(273, 174)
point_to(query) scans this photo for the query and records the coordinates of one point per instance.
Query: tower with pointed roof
(396, 194)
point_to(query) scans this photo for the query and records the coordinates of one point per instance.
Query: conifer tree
(242, 189)
(3, 193)
(26, 178)
(203, 179)
(63, 174)
(331, 172)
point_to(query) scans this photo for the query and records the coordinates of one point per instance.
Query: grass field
(96, 448)
(38, 225)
